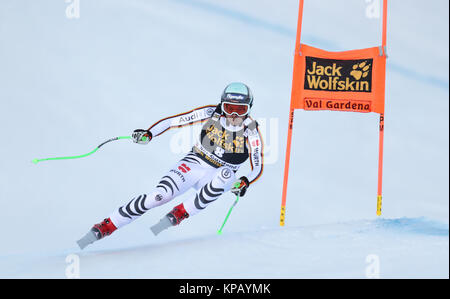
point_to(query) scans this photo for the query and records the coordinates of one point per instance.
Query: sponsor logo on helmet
(235, 96)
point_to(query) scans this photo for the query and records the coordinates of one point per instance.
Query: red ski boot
(177, 214)
(97, 232)
(173, 218)
(104, 228)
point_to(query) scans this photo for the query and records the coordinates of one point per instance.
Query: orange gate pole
(380, 164)
(291, 119)
(381, 132)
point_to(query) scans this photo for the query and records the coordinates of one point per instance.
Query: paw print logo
(239, 141)
(360, 70)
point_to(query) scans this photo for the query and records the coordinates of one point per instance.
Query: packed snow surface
(67, 85)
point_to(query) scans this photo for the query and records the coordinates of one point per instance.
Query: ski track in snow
(307, 38)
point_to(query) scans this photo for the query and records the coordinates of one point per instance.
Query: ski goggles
(239, 109)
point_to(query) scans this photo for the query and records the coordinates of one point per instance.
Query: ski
(163, 224)
(88, 239)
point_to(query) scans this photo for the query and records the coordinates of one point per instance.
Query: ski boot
(97, 232)
(171, 219)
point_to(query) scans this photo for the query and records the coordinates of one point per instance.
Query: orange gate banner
(342, 81)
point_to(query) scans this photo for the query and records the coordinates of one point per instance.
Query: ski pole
(219, 232)
(35, 161)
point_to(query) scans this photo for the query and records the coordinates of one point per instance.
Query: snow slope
(268, 253)
(66, 85)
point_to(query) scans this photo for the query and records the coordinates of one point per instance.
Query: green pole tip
(35, 161)
(219, 232)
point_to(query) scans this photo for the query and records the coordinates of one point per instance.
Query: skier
(228, 138)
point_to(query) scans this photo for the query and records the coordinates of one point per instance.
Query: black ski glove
(141, 136)
(240, 186)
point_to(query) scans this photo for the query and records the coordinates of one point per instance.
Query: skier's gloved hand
(240, 186)
(141, 136)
